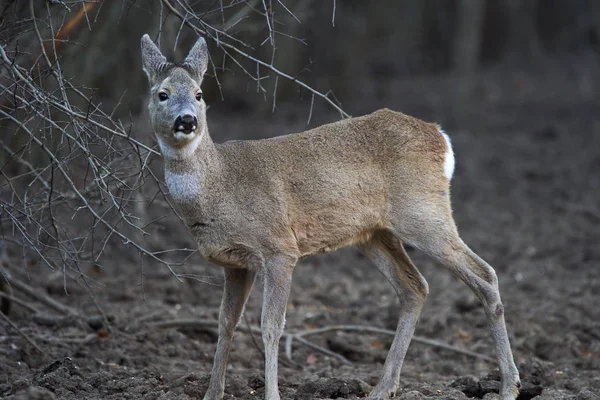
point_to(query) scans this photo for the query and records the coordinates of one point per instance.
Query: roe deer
(259, 206)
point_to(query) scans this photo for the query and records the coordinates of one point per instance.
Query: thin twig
(418, 339)
(321, 349)
(87, 339)
(42, 298)
(19, 302)
(254, 342)
(289, 12)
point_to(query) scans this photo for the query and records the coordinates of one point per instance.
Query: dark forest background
(341, 45)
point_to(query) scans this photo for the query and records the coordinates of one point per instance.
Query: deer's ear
(197, 59)
(152, 58)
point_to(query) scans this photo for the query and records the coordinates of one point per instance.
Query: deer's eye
(162, 96)
(199, 96)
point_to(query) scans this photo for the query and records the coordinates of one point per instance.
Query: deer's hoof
(381, 395)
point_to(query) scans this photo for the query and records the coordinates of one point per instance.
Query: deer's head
(177, 110)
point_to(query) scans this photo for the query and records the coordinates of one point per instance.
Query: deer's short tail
(449, 161)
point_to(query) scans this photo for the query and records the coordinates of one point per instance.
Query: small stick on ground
(27, 338)
(254, 342)
(42, 298)
(418, 339)
(289, 363)
(299, 336)
(211, 323)
(288, 346)
(19, 302)
(87, 339)
(314, 346)
(145, 318)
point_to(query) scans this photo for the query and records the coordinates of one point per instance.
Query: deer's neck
(188, 169)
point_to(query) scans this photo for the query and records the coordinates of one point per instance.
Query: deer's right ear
(197, 59)
(152, 58)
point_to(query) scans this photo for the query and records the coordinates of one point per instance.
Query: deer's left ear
(197, 59)
(152, 58)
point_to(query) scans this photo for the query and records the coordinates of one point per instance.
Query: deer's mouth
(184, 134)
(185, 131)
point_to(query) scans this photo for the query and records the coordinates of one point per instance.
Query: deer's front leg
(277, 282)
(238, 283)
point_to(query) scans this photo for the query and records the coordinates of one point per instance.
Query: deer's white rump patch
(449, 161)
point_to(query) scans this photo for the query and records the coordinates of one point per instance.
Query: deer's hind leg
(434, 232)
(386, 251)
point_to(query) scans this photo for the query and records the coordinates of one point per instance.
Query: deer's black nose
(186, 124)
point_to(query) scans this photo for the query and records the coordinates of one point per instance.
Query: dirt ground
(526, 197)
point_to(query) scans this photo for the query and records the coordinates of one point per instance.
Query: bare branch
(224, 45)
(300, 336)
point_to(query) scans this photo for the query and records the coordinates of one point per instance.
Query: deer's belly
(320, 236)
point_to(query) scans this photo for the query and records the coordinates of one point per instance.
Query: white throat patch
(184, 188)
(449, 162)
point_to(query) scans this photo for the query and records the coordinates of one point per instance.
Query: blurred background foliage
(332, 45)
